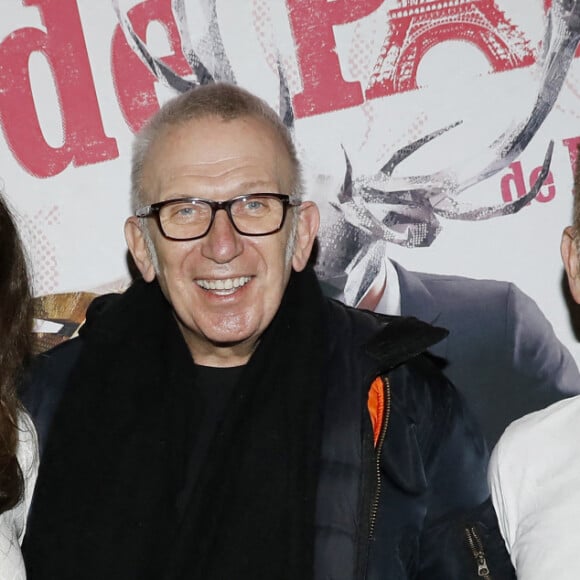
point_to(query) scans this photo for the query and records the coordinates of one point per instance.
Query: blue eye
(254, 205)
(186, 212)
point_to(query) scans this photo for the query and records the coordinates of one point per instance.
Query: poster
(436, 114)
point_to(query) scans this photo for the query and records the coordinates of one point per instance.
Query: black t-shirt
(211, 393)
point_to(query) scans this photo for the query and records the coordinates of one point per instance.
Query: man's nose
(222, 243)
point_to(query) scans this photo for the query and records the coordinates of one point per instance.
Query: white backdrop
(366, 79)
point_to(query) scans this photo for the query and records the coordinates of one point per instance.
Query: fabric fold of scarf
(106, 495)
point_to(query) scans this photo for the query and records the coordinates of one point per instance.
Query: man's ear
(569, 251)
(306, 230)
(137, 245)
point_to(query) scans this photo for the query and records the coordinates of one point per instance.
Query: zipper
(476, 547)
(379, 449)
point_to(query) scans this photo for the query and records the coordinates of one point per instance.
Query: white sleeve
(534, 476)
(28, 459)
(500, 479)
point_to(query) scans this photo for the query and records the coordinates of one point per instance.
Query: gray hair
(222, 100)
(227, 102)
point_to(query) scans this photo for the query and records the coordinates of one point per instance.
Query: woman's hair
(15, 350)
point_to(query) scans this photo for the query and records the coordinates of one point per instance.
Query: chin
(228, 342)
(226, 339)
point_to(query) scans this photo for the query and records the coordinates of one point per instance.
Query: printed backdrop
(440, 133)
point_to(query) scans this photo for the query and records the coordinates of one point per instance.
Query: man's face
(214, 159)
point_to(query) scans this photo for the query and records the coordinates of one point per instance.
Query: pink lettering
(513, 185)
(324, 87)
(63, 46)
(548, 190)
(514, 180)
(572, 145)
(134, 83)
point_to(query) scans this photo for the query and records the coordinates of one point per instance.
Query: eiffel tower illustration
(418, 25)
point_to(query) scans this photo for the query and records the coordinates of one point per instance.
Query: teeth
(226, 284)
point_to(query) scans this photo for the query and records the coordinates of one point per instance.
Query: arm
(537, 352)
(28, 459)
(534, 479)
(502, 492)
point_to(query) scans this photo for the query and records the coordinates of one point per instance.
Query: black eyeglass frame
(155, 208)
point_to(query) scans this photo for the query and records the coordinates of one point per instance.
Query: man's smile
(224, 283)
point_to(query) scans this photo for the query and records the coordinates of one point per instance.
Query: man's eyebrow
(256, 183)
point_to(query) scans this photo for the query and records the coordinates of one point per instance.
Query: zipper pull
(476, 547)
(482, 569)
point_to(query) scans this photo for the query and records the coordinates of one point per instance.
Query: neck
(210, 354)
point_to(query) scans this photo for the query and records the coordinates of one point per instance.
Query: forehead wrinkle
(197, 185)
(182, 175)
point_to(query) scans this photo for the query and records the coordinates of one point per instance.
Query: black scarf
(105, 504)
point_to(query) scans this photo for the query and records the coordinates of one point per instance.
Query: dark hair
(15, 350)
(223, 100)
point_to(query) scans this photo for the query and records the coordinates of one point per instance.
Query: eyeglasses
(190, 218)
